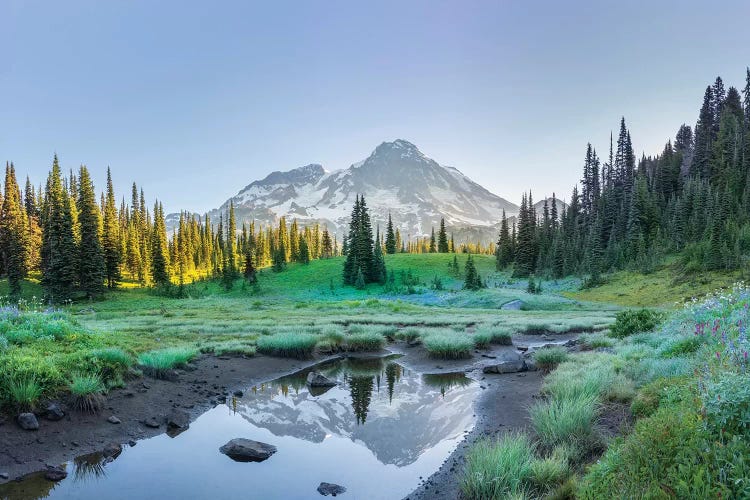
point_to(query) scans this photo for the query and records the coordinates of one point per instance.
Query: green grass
(157, 363)
(24, 393)
(229, 347)
(486, 335)
(86, 390)
(549, 357)
(565, 421)
(288, 345)
(447, 344)
(498, 468)
(365, 341)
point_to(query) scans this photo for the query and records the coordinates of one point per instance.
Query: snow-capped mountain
(397, 178)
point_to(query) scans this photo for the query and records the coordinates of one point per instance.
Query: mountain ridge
(396, 178)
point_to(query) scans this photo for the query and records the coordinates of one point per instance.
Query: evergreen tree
(390, 237)
(13, 234)
(59, 253)
(159, 249)
(433, 246)
(472, 280)
(442, 244)
(111, 236)
(92, 268)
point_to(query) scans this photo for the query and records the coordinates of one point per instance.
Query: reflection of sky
(422, 412)
(318, 439)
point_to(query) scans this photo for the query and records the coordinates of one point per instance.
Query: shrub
(158, 363)
(448, 345)
(498, 468)
(565, 420)
(647, 400)
(550, 357)
(366, 341)
(86, 390)
(726, 403)
(24, 393)
(681, 347)
(288, 345)
(632, 321)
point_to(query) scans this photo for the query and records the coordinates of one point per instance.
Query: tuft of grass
(365, 341)
(566, 420)
(288, 345)
(498, 468)
(596, 340)
(157, 363)
(549, 357)
(486, 335)
(409, 334)
(86, 390)
(235, 347)
(548, 473)
(448, 345)
(113, 356)
(24, 393)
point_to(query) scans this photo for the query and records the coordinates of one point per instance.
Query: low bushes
(288, 345)
(157, 363)
(629, 322)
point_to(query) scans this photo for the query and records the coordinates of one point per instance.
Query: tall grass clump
(158, 363)
(86, 390)
(498, 468)
(448, 345)
(566, 420)
(288, 345)
(365, 341)
(411, 334)
(24, 393)
(493, 335)
(549, 357)
(113, 356)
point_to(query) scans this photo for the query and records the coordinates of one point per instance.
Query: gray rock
(247, 450)
(513, 305)
(4, 475)
(28, 421)
(54, 412)
(315, 379)
(55, 474)
(531, 365)
(114, 420)
(326, 489)
(178, 419)
(152, 422)
(238, 394)
(513, 366)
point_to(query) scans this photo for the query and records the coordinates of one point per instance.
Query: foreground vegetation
(296, 313)
(684, 385)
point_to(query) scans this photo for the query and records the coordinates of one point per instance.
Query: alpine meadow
(561, 315)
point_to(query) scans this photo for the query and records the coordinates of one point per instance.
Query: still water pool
(375, 433)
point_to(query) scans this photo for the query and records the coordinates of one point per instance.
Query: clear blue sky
(194, 100)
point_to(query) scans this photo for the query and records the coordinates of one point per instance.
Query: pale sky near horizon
(195, 100)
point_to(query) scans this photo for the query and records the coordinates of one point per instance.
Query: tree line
(692, 199)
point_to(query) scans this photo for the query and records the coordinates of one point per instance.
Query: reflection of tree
(89, 466)
(392, 375)
(361, 389)
(32, 486)
(446, 381)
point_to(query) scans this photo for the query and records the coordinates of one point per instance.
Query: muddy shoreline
(501, 406)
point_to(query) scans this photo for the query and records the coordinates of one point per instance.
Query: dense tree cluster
(692, 199)
(364, 258)
(80, 247)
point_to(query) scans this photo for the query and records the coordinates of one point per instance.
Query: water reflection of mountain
(395, 413)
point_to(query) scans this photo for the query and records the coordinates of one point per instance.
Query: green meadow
(297, 313)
